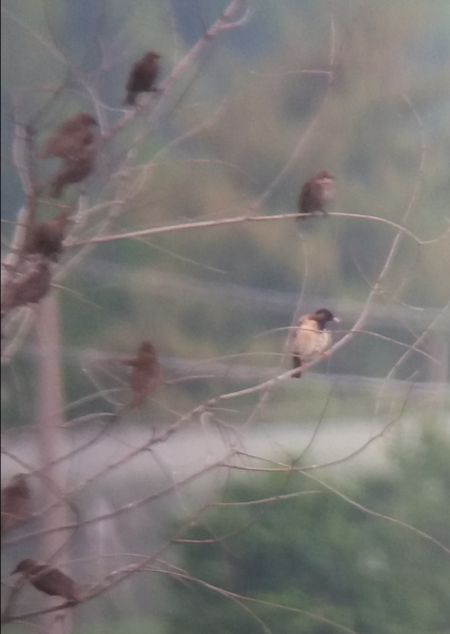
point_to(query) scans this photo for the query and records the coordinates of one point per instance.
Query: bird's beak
(337, 320)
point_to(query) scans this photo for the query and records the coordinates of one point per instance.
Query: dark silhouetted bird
(48, 580)
(311, 339)
(74, 170)
(142, 76)
(46, 238)
(317, 193)
(71, 137)
(146, 373)
(29, 288)
(16, 499)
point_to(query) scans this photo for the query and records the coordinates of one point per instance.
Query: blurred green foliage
(320, 554)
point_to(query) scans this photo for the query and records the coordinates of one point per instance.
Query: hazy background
(217, 301)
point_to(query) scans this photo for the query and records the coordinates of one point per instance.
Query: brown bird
(146, 373)
(46, 238)
(48, 580)
(74, 170)
(142, 76)
(16, 499)
(29, 288)
(311, 339)
(70, 137)
(317, 193)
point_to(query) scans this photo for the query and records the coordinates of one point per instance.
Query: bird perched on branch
(48, 580)
(46, 238)
(16, 498)
(317, 193)
(71, 137)
(74, 170)
(142, 76)
(29, 288)
(146, 373)
(311, 339)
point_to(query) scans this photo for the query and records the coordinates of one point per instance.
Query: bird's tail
(296, 363)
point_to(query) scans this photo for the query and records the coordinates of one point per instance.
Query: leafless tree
(36, 266)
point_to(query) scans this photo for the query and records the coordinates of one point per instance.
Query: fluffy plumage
(142, 76)
(74, 170)
(71, 137)
(49, 580)
(29, 288)
(311, 339)
(317, 193)
(46, 238)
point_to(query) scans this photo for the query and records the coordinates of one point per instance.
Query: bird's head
(25, 566)
(147, 349)
(19, 479)
(323, 316)
(19, 483)
(86, 119)
(151, 56)
(323, 176)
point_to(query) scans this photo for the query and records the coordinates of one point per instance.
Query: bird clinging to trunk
(28, 288)
(317, 193)
(142, 76)
(16, 499)
(146, 373)
(71, 137)
(49, 580)
(46, 238)
(311, 339)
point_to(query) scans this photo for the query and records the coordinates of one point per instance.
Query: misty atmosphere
(225, 316)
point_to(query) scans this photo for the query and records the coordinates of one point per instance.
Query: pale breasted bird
(311, 339)
(142, 76)
(46, 238)
(71, 137)
(74, 170)
(49, 580)
(16, 502)
(146, 373)
(316, 195)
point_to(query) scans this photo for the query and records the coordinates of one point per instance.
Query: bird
(71, 137)
(74, 170)
(142, 77)
(316, 194)
(29, 288)
(46, 238)
(146, 373)
(16, 498)
(311, 339)
(48, 579)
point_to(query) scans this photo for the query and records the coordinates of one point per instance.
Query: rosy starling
(146, 373)
(317, 193)
(311, 339)
(71, 137)
(30, 287)
(74, 170)
(142, 76)
(16, 498)
(46, 238)
(48, 580)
